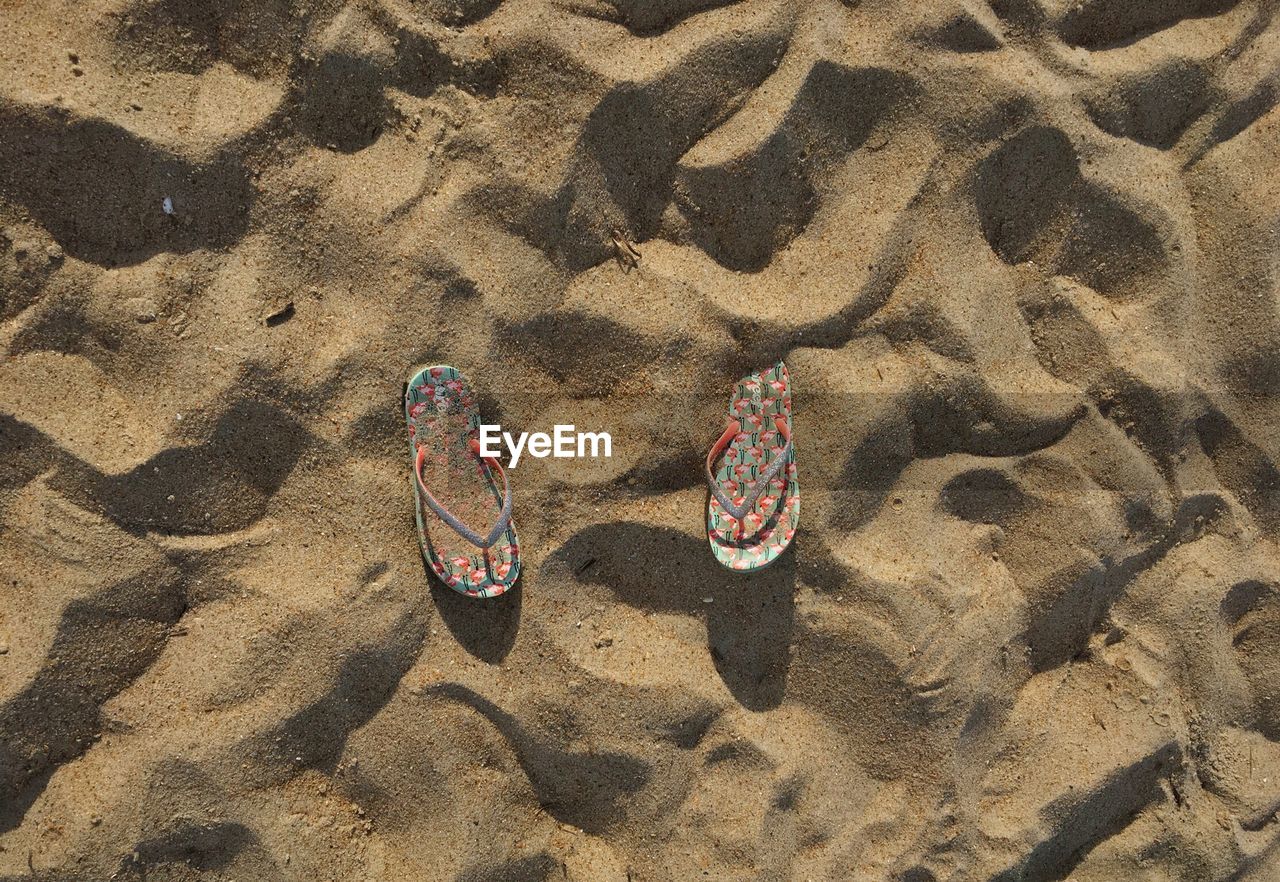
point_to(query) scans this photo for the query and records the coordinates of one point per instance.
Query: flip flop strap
(504, 518)
(762, 483)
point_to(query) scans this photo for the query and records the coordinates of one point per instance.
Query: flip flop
(444, 428)
(754, 506)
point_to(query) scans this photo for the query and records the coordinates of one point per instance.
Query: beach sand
(1022, 260)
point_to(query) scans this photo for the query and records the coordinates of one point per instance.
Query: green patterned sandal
(755, 499)
(444, 427)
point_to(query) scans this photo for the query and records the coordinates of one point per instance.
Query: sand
(1022, 260)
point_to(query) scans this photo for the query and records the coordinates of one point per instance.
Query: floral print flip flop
(754, 505)
(455, 486)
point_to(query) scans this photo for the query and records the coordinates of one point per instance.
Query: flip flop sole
(441, 414)
(772, 522)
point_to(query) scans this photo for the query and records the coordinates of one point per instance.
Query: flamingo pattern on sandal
(766, 530)
(443, 417)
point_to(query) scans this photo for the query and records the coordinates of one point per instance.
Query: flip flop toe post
(754, 504)
(462, 500)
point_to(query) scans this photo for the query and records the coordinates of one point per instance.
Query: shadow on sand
(750, 618)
